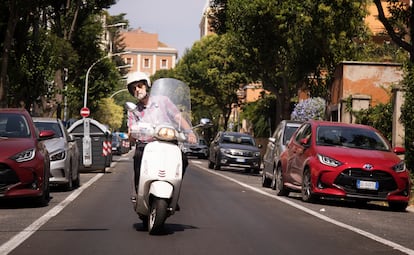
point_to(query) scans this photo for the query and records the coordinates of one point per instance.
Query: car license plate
(367, 185)
(240, 160)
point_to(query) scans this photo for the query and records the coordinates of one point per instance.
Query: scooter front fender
(161, 189)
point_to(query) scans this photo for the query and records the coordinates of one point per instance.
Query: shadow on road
(167, 230)
(349, 203)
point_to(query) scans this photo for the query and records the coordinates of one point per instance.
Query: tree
(14, 11)
(399, 26)
(48, 37)
(217, 16)
(262, 114)
(286, 41)
(211, 70)
(110, 113)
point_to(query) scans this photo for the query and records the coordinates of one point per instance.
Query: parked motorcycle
(161, 167)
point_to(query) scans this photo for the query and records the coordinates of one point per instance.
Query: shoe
(177, 207)
(133, 199)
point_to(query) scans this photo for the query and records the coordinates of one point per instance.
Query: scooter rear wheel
(158, 215)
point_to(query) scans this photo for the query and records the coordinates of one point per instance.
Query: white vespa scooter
(161, 167)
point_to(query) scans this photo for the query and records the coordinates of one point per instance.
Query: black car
(236, 150)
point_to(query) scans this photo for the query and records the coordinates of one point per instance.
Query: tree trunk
(11, 25)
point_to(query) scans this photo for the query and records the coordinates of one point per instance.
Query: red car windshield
(352, 137)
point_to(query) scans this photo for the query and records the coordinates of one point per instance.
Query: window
(147, 63)
(164, 63)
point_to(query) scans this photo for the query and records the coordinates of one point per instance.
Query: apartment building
(147, 53)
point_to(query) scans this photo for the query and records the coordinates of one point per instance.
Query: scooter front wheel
(158, 215)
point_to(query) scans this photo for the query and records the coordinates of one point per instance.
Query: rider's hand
(191, 138)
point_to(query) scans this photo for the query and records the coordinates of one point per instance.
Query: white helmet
(135, 77)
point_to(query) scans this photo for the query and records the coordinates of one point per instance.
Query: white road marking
(19, 238)
(389, 243)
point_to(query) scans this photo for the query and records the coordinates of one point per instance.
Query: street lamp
(117, 92)
(85, 97)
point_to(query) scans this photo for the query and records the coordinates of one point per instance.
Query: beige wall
(147, 53)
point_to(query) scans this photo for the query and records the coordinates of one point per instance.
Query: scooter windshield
(169, 104)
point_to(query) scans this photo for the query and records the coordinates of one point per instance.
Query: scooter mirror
(205, 122)
(130, 106)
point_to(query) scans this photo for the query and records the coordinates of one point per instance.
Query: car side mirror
(204, 123)
(71, 138)
(130, 106)
(46, 134)
(304, 142)
(399, 150)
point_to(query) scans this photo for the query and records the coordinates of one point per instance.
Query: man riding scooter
(138, 85)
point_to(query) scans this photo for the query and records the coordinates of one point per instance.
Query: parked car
(346, 161)
(63, 152)
(120, 143)
(234, 149)
(275, 146)
(200, 149)
(116, 144)
(24, 159)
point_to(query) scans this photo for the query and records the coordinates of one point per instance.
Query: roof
(139, 39)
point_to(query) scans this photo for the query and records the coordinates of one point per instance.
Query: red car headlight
(400, 167)
(328, 161)
(24, 155)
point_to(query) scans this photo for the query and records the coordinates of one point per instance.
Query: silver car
(275, 147)
(199, 149)
(63, 152)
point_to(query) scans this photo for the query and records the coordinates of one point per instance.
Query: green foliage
(407, 113)
(110, 113)
(284, 42)
(211, 70)
(49, 41)
(262, 114)
(379, 117)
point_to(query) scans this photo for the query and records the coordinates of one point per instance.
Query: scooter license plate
(369, 185)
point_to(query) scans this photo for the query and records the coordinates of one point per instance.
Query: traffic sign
(84, 112)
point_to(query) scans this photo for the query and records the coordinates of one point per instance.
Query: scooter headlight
(166, 133)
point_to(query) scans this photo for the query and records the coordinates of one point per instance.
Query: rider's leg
(185, 162)
(139, 150)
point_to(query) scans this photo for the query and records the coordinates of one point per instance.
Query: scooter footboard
(161, 189)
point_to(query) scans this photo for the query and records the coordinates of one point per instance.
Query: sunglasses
(138, 84)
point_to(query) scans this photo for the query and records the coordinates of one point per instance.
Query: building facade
(146, 53)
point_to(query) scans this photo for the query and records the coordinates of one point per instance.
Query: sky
(176, 22)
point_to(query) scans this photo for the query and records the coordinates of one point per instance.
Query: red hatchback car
(24, 160)
(345, 161)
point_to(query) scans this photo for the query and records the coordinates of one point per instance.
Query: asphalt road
(222, 212)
